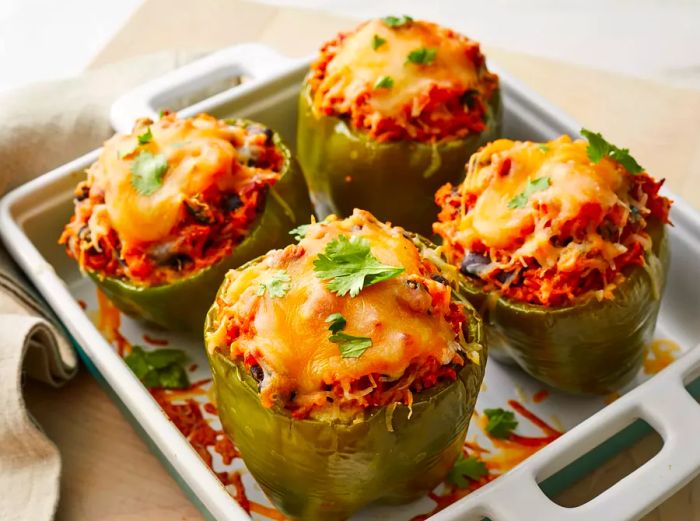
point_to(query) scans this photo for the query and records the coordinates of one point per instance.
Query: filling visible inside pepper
(411, 80)
(550, 224)
(352, 317)
(173, 197)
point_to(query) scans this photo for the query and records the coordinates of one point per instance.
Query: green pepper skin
(183, 304)
(314, 470)
(396, 181)
(589, 349)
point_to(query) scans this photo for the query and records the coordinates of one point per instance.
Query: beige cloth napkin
(42, 127)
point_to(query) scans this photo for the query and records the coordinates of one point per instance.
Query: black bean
(257, 373)
(474, 263)
(231, 202)
(412, 284)
(268, 135)
(82, 193)
(469, 98)
(292, 395)
(178, 261)
(329, 399)
(440, 279)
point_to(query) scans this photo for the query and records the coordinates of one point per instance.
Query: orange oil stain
(155, 341)
(661, 352)
(540, 396)
(109, 322)
(266, 511)
(610, 398)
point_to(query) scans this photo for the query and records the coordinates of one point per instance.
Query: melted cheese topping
(574, 184)
(357, 66)
(289, 337)
(200, 155)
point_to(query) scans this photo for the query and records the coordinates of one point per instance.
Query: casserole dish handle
(663, 402)
(199, 84)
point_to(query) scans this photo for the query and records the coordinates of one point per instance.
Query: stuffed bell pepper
(166, 210)
(346, 367)
(389, 113)
(563, 249)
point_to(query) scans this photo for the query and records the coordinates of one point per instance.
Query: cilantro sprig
(147, 172)
(599, 147)
(276, 284)
(466, 469)
(397, 21)
(377, 42)
(347, 265)
(162, 368)
(537, 185)
(300, 231)
(146, 137)
(501, 423)
(422, 56)
(385, 82)
(350, 346)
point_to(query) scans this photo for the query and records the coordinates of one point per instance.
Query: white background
(43, 39)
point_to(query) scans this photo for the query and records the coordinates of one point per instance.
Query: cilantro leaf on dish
(397, 21)
(466, 469)
(277, 284)
(351, 346)
(337, 322)
(163, 368)
(146, 137)
(599, 147)
(377, 42)
(348, 266)
(385, 82)
(147, 172)
(537, 185)
(299, 232)
(422, 56)
(501, 423)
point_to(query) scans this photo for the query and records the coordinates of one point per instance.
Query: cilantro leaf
(501, 422)
(300, 231)
(466, 469)
(397, 21)
(159, 368)
(544, 148)
(349, 266)
(422, 56)
(147, 172)
(146, 137)
(351, 346)
(520, 200)
(377, 42)
(337, 322)
(599, 147)
(385, 82)
(277, 284)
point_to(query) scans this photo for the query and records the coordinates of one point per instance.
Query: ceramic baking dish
(32, 216)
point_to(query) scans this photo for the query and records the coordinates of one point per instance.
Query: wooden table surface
(109, 473)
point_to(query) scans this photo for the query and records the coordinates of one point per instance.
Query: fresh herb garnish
(277, 284)
(397, 21)
(147, 172)
(146, 137)
(422, 56)
(598, 148)
(300, 231)
(543, 147)
(337, 322)
(465, 469)
(377, 42)
(162, 113)
(351, 346)
(385, 82)
(501, 423)
(159, 368)
(520, 200)
(349, 266)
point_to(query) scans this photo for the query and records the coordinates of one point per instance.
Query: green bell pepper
(592, 348)
(316, 470)
(394, 180)
(183, 304)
